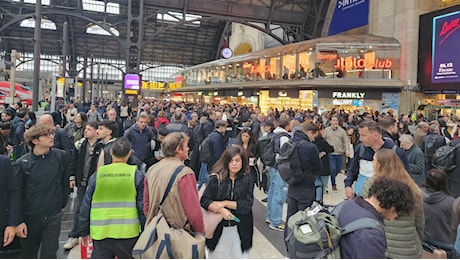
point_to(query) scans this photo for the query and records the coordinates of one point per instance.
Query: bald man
(61, 140)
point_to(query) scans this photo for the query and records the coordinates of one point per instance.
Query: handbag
(210, 219)
(161, 241)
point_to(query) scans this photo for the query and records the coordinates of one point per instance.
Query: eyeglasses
(50, 134)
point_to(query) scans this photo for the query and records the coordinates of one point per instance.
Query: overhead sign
(446, 57)
(349, 14)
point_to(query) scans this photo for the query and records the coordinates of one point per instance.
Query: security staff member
(112, 210)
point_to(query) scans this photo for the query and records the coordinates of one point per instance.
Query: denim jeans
(204, 175)
(321, 186)
(77, 203)
(276, 197)
(335, 162)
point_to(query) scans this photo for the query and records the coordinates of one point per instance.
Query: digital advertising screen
(132, 84)
(132, 81)
(445, 66)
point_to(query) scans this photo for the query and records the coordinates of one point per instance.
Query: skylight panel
(45, 24)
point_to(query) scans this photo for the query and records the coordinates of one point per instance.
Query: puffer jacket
(404, 234)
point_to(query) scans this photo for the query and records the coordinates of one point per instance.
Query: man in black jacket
(217, 147)
(82, 165)
(9, 202)
(43, 180)
(430, 142)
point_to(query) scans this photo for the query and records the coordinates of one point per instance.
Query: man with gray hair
(420, 132)
(432, 141)
(415, 156)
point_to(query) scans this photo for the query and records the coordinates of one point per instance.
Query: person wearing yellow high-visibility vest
(112, 209)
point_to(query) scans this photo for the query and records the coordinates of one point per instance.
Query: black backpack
(206, 155)
(268, 146)
(288, 163)
(444, 157)
(197, 134)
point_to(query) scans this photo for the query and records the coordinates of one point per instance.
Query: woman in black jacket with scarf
(230, 193)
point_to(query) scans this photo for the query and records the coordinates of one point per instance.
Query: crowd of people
(120, 160)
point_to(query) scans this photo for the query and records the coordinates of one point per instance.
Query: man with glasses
(61, 141)
(43, 180)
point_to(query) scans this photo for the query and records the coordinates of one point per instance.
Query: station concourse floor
(267, 243)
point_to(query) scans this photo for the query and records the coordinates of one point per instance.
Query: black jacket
(310, 163)
(454, 175)
(217, 146)
(324, 148)
(78, 160)
(62, 141)
(9, 196)
(44, 182)
(242, 192)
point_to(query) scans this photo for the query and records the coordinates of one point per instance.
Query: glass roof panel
(46, 24)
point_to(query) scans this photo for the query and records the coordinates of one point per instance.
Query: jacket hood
(280, 130)
(433, 197)
(299, 135)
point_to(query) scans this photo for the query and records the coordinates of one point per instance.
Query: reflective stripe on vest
(113, 206)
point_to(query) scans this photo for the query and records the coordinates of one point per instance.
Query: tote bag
(211, 220)
(161, 241)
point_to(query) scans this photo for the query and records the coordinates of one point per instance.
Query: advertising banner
(349, 14)
(445, 54)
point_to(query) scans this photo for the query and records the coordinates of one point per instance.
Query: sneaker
(280, 227)
(334, 188)
(265, 200)
(71, 243)
(267, 221)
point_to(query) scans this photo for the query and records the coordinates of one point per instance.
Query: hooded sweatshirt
(438, 214)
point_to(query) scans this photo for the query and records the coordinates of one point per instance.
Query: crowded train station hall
(217, 129)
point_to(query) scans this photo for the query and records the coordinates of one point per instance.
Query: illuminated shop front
(290, 75)
(359, 99)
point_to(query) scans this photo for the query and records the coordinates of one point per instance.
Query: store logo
(348, 63)
(345, 4)
(448, 28)
(357, 95)
(282, 94)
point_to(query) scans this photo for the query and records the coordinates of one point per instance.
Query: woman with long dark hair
(229, 192)
(246, 140)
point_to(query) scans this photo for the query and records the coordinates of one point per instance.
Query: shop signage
(356, 95)
(359, 63)
(291, 93)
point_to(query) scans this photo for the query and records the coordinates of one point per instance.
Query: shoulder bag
(210, 219)
(161, 241)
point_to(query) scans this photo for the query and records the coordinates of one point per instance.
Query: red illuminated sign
(448, 28)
